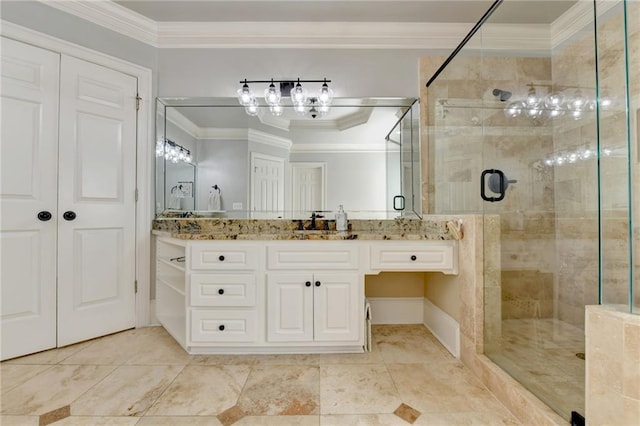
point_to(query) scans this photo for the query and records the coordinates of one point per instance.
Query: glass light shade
(555, 112)
(532, 98)
(578, 102)
(554, 100)
(576, 114)
(252, 108)
(272, 95)
(323, 109)
(326, 95)
(514, 109)
(276, 110)
(188, 158)
(299, 108)
(298, 94)
(245, 95)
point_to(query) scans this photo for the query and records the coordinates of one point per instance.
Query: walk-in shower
(557, 115)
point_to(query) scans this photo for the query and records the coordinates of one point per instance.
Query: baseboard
(396, 310)
(442, 326)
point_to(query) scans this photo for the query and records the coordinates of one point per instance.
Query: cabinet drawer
(431, 256)
(223, 326)
(224, 257)
(318, 256)
(223, 289)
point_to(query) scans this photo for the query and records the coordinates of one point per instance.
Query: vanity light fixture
(300, 98)
(172, 151)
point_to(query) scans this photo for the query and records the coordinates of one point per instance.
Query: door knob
(69, 215)
(44, 215)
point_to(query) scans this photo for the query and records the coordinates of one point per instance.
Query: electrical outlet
(237, 206)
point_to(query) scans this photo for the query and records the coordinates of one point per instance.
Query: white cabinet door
(97, 154)
(336, 307)
(289, 307)
(29, 150)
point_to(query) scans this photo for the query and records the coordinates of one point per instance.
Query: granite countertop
(282, 229)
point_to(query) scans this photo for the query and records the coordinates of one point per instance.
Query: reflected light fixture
(300, 98)
(171, 151)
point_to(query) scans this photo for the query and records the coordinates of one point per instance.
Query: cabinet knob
(317, 283)
(69, 215)
(44, 216)
(221, 258)
(413, 257)
(308, 283)
(221, 291)
(221, 327)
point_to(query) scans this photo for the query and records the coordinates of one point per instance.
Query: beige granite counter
(282, 229)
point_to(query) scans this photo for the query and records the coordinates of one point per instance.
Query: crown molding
(335, 35)
(182, 122)
(334, 147)
(273, 121)
(576, 19)
(111, 15)
(228, 134)
(513, 37)
(269, 139)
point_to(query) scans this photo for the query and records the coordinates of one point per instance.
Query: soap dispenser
(341, 219)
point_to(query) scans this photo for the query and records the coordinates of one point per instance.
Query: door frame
(144, 134)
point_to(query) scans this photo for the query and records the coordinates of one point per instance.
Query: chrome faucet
(313, 220)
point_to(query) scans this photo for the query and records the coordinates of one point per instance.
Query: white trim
(335, 147)
(182, 122)
(396, 310)
(111, 15)
(576, 19)
(269, 139)
(443, 327)
(145, 158)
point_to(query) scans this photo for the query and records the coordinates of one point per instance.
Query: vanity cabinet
(313, 306)
(265, 296)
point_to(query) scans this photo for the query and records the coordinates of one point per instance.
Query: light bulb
(576, 114)
(272, 94)
(514, 109)
(532, 98)
(324, 109)
(554, 100)
(555, 112)
(245, 95)
(187, 158)
(326, 94)
(578, 102)
(298, 94)
(299, 108)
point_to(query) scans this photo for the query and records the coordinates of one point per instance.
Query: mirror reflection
(213, 159)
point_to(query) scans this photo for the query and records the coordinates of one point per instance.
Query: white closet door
(96, 249)
(267, 186)
(28, 186)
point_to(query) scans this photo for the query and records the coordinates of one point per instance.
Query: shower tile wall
(472, 133)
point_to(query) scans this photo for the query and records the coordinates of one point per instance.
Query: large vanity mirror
(213, 159)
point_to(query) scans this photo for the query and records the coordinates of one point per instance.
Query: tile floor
(541, 353)
(142, 377)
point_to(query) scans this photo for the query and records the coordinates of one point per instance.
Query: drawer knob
(413, 257)
(221, 291)
(221, 327)
(317, 283)
(308, 283)
(221, 258)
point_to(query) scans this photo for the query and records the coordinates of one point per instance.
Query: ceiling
(450, 11)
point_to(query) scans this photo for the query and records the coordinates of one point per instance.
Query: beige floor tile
(223, 359)
(477, 418)
(202, 390)
(451, 388)
(52, 356)
(116, 349)
(128, 391)
(19, 420)
(13, 375)
(288, 359)
(281, 390)
(54, 388)
(357, 389)
(372, 357)
(178, 421)
(97, 421)
(279, 421)
(166, 352)
(411, 349)
(362, 420)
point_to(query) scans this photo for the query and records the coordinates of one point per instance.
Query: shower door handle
(398, 203)
(502, 186)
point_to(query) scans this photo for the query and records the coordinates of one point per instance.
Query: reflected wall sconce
(567, 101)
(171, 151)
(318, 104)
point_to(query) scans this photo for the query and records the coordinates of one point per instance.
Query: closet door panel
(28, 186)
(97, 183)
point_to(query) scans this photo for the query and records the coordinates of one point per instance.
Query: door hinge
(135, 286)
(136, 195)
(138, 99)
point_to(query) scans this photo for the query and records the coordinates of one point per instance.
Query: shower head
(503, 95)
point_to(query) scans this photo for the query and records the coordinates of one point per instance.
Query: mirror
(360, 154)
